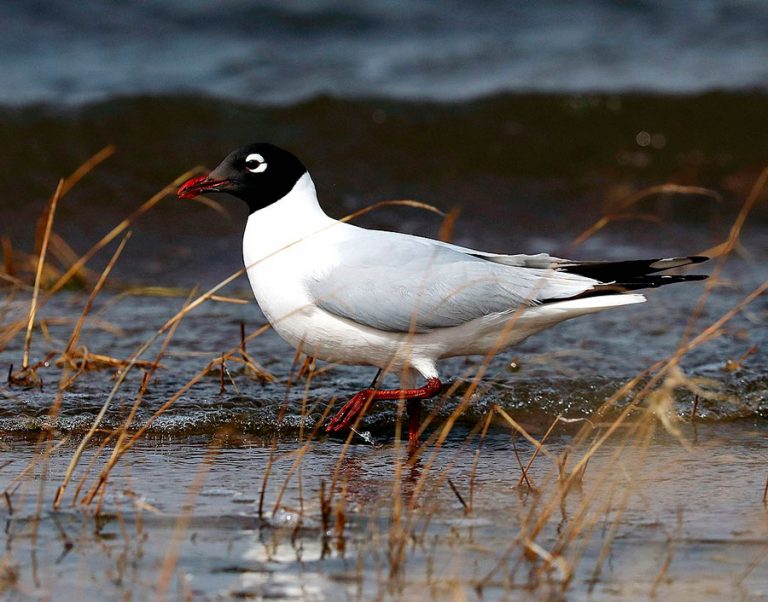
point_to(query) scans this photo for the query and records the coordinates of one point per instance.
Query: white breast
(276, 243)
(285, 246)
(279, 285)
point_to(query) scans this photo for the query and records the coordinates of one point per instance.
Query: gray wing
(401, 283)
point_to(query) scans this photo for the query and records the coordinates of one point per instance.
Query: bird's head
(259, 174)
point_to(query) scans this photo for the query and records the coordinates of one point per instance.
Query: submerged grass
(573, 517)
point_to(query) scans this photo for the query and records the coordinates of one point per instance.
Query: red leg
(414, 424)
(347, 415)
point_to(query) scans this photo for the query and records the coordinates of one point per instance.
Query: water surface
(270, 51)
(674, 521)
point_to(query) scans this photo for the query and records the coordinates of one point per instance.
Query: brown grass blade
(87, 167)
(41, 261)
(390, 203)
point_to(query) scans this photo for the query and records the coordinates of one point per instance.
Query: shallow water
(697, 512)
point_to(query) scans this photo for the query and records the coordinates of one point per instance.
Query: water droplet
(643, 138)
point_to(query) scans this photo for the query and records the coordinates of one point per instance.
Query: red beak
(199, 185)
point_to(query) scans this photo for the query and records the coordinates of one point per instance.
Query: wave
(279, 52)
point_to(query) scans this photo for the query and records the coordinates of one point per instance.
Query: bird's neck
(295, 216)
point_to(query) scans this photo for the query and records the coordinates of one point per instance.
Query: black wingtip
(623, 276)
(628, 271)
(670, 279)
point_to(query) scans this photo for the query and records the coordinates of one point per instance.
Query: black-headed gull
(394, 301)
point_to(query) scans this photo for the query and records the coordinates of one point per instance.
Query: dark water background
(268, 51)
(529, 172)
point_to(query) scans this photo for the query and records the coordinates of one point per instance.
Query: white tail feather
(549, 314)
(590, 304)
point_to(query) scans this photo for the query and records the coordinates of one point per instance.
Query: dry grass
(545, 554)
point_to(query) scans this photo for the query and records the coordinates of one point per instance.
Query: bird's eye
(255, 163)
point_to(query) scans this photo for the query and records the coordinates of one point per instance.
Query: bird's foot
(349, 413)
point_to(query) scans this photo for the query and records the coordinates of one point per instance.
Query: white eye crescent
(255, 163)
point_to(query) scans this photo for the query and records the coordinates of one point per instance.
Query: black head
(259, 174)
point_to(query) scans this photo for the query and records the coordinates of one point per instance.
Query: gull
(394, 301)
